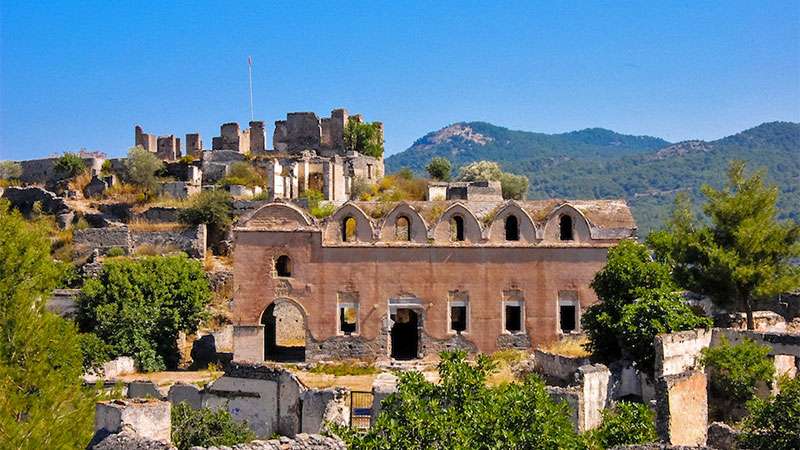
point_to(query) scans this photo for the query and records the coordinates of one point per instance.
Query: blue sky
(81, 74)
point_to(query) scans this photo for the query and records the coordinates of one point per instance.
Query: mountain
(465, 142)
(599, 163)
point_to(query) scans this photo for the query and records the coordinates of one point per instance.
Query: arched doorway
(405, 334)
(284, 332)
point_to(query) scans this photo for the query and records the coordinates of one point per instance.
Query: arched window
(512, 228)
(565, 228)
(402, 229)
(457, 228)
(349, 229)
(283, 266)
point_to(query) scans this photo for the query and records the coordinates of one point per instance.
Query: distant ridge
(599, 163)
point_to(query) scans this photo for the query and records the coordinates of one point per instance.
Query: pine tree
(43, 403)
(740, 252)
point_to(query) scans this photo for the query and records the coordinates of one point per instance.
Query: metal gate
(360, 409)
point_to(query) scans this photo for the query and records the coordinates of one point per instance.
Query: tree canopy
(141, 167)
(43, 403)
(138, 307)
(513, 186)
(439, 168)
(739, 251)
(461, 412)
(364, 138)
(638, 302)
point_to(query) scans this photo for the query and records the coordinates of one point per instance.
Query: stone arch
(581, 227)
(285, 329)
(333, 228)
(472, 228)
(525, 225)
(278, 215)
(418, 228)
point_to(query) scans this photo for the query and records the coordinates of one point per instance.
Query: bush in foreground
(206, 428)
(139, 306)
(625, 424)
(736, 370)
(774, 424)
(43, 403)
(462, 412)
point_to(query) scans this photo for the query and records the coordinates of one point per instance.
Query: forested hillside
(598, 163)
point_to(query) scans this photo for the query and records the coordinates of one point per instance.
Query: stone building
(406, 280)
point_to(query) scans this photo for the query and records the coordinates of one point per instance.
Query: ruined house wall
(191, 240)
(320, 274)
(42, 171)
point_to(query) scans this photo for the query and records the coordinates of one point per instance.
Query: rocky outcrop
(26, 199)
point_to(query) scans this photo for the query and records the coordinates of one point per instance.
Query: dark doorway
(565, 228)
(567, 318)
(457, 228)
(405, 334)
(277, 346)
(512, 228)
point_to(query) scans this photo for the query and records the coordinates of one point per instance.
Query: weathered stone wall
(42, 171)
(194, 144)
(779, 343)
(23, 199)
(682, 408)
(678, 352)
(191, 240)
(147, 418)
(103, 239)
(161, 214)
(557, 369)
(64, 302)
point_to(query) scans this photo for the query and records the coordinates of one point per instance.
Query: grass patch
(155, 250)
(509, 356)
(568, 346)
(345, 369)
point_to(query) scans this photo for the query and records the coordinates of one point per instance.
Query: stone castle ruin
(308, 153)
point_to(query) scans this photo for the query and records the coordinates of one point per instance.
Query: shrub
(439, 168)
(141, 168)
(115, 252)
(774, 424)
(625, 424)
(95, 352)
(212, 208)
(513, 186)
(10, 170)
(242, 173)
(629, 273)
(737, 369)
(206, 428)
(139, 307)
(315, 206)
(43, 403)
(69, 165)
(656, 312)
(461, 411)
(365, 138)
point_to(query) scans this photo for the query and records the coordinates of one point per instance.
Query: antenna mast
(250, 76)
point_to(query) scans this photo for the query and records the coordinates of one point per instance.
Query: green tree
(740, 252)
(141, 168)
(212, 208)
(637, 303)
(513, 186)
(628, 274)
(774, 424)
(69, 165)
(439, 168)
(206, 428)
(655, 312)
(10, 170)
(625, 424)
(242, 173)
(364, 138)
(139, 306)
(43, 403)
(461, 412)
(737, 369)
